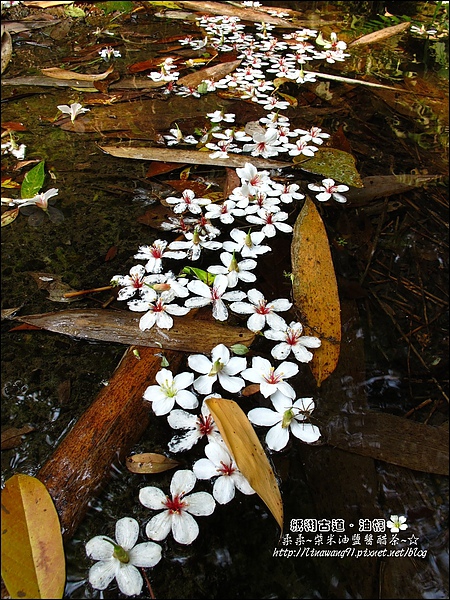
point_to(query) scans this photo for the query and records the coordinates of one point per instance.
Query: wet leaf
(9, 216)
(33, 181)
(9, 183)
(204, 276)
(332, 163)
(150, 463)
(56, 73)
(33, 563)
(12, 437)
(249, 455)
(152, 64)
(383, 186)
(113, 6)
(379, 36)
(54, 285)
(315, 289)
(6, 49)
(214, 73)
(122, 327)
(244, 13)
(191, 157)
(251, 389)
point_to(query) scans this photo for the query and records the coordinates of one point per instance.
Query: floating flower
(136, 281)
(194, 244)
(234, 270)
(188, 201)
(396, 523)
(262, 311)
(170, 390)
(270, 221)
(109, 52)
(158, 312)
(119, 559)
(154, 254)
(292, 340)
(248, 244)
(196, 426)
(265, 144)
(212, 295)
(179, 508)
(220, 464)
(329, 189)
(271, 380)
(221, 368)
(38, 206)
(288, 417)
(73, 110)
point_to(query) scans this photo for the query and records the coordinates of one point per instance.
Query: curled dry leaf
(149, 462)
(56, 73)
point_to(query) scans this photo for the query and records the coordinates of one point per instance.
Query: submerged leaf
(122, 327)
(212, 73)
(150, 462)
(382, 34)
(56, 73)
(12, 437)
(332, 163)
(9, 216)
(315, 289)
(33, 563)
(249, 455)
(33, 181)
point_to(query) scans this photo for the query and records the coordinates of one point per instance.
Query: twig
(152, 595)
(84, 292)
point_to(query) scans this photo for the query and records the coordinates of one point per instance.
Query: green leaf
(239, 349)
(332, 163)
(74, 11)
(33, 181)
(110, 7)
(204, 276)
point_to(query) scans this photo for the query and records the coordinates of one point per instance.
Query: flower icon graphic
(397, 523)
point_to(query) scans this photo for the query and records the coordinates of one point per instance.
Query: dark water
(394, 303)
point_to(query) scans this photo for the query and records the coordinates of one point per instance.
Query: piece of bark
(81, 464)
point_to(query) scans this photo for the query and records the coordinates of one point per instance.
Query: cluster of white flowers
(238, 231)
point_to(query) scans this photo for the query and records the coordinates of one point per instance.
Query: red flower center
(226, 469)
(175, 505)
(206, 424)
(262, 309)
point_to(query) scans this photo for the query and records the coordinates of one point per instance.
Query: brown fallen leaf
(9, 216)
(192, 157)
(383, 186)
(213, 73)
(251, 389)
(315, 289)
(56, 73)
(245, 447)
(245, 14)
(12, 437)
(122, 327)
(54, 285)
(150, 462)
(379, 36)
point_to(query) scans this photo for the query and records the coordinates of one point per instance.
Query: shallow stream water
(391, 259)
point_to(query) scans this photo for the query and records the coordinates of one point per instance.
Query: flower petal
(305, 431)
(264, 417)
(277, 437)
(127, 532)
(102, 573)
(98, 548)
(184, 528)
(152, 497)
(200, 504)
(158, 528)
(129, 580)
(182, 482)
(224, 490)
(145, 555)
(204, 469)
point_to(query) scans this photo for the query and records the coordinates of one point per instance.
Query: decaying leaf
(12, 437)
(191, 157)
(54, 285)
(33, 563)
(6, 48)
(122, 327)
(9, 216)
(56, 73)
(149, 462)
(249, 455)
(383, 34)
(383, 186)
(315, 289)
(212, 73)
(332, 163)
(244, 13)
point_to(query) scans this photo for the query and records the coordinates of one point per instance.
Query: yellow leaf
(249, 455)
(315, 289)
(9, 216)
(149, 462)
(33, 564)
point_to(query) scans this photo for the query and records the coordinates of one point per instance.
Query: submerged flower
(288, 417)
(221, 368)
(220, 464)
(119, 559)
(73, 110)
(178, 508)
(292, 340)
(170, 390)
(196, 426)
